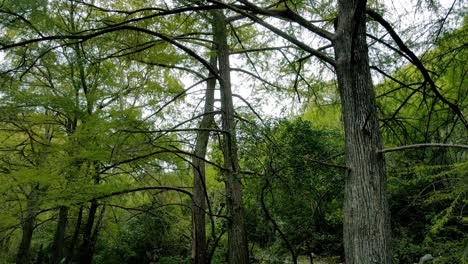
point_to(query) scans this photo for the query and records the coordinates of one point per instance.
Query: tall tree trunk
(93, 238)
(59, 239)
(76, 233)
(237, 237)
(85, 249)
(366, 227)
(199, 247)
(24, 251)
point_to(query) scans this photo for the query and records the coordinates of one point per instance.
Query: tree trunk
(366, 226)
(199, 247)
(24, 251)
(85, 249)
(237, 237)
(93, 238)
(59, 239)
(76, 233)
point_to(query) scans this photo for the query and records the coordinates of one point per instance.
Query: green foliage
(143, 239)
(301, 194)
(427, 187)
(75, 122)
(430, 220)
(411, 113)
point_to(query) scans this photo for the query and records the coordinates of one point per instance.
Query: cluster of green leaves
(428, 187)
(65, 122)
(297, 187)
(70, 112)
(145, 238)
(427, 203)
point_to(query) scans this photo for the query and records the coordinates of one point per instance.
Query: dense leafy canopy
(100, 104)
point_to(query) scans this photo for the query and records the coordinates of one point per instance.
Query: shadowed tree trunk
(59, 239)
(366, 214)
(90, 235)
(199, 247)
(85, 249)
(24, 251)
(94, 236)
(76, 233)
(238, 252)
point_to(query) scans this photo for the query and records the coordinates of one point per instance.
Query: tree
(237, 237)
(366, 221)
(366, 227)
(200, 194)
(80, 97)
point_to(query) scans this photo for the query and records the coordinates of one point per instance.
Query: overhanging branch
(322, 56)
(416, 62)
(289, 15)
(110, 30)
(425, 145)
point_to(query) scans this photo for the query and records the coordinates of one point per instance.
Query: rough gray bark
(238, 252)
(59, 238)
(199, 247)
(366, 214)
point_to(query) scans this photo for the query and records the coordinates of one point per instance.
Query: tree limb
(424, 145)
(110, 30)
(416, 62)
(322, 56)
(289, 15)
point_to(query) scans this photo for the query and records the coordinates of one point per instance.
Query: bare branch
(167, 188)
(322, 56)
(177, 129)
(425, 145)
(289, 15)
(259, 49)
(256, 77)
(111, 29)
(416, 62)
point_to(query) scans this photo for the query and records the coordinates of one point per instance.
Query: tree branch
(110, 30)
(416, 62)
(288, 15)
(259, 49)
(425, 145)
(322, 56)
(256, 77)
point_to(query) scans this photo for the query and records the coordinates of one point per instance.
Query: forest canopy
(233, 131)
